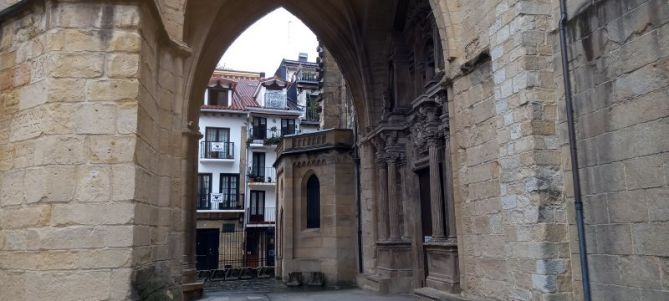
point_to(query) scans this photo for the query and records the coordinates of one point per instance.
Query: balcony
(308, 77)
(260, 218)
(220, 202)
(317, 141)
(262, 176)
(217, 151)
(312, 114)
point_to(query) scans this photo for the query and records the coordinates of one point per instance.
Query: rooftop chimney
(303, 57)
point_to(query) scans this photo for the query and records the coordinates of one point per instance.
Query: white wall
(234, 122)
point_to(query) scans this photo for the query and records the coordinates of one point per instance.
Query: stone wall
(164, 144)
(86, 210)
(511, 222)
(619, 52)
(68, 139)
(477, 173)
(97, 156)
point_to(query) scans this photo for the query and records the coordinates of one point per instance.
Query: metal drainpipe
(578, 202)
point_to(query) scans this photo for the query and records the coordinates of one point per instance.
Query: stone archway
(99, 102)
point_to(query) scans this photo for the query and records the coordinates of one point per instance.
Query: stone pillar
(450, 202)
(382, 200)
(437, 204)
(192, 288)
(393, 200)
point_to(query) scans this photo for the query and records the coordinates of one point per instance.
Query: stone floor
(272, 290)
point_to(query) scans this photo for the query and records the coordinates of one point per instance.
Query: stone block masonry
(80, 212)
(97, 145)
(620, 58)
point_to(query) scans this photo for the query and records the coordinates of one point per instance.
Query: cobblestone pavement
(272, 290)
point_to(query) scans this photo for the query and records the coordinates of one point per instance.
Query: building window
(259, 128)
(217, 134)
(217, 144)
(203, 191)
(229, 189)
(287, 127)
(258, 168)
(313, 203)
(218, 97)
(228, 228)
(257, 206)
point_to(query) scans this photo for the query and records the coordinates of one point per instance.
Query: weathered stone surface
(113, 90)
(95, 119)
(77, 65)
(71, 88)
(84, 285)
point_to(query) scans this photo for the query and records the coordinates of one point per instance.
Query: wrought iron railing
(312, 114)
(263, 216)
(217, 150)
(220, 201)
(262, 175)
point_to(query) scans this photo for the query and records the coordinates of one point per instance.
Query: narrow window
(203, 191)
(313, 203)
(287, 127)
(259, 128)
(257, 206)
(229, 188)
(258, 167)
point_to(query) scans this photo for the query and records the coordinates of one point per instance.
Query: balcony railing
(262, 175)
(255, 217)
(220, 201)
(217, 150)
(312, 114)
(308, 77)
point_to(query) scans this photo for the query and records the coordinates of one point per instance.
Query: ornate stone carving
(425, 131)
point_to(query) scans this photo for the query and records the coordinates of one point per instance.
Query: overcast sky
(264, 44)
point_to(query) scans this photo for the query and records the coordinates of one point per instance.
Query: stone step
(373, 283)
(431, 294)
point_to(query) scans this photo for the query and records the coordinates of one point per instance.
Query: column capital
(381, 158)
(435, 139)
(396, 157)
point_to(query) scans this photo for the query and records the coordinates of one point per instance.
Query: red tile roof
(243, 89)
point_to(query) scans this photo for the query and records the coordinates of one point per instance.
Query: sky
(262, 46)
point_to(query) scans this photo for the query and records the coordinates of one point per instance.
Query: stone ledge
(393, 243)
(441, 244)
(427, 293)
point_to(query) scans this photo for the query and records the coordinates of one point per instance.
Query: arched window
(313, 202)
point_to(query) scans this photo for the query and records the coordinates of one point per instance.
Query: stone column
(192, 288)
(437, 204)
(393, 200)
(450, 202)
(382, 197)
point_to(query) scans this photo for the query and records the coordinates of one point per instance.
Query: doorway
(207, 242)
